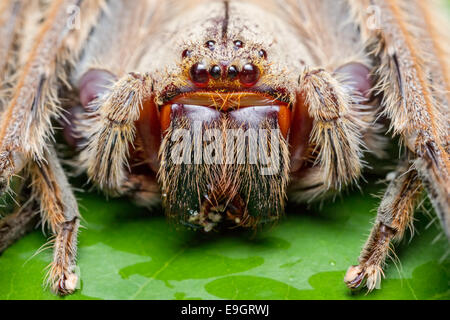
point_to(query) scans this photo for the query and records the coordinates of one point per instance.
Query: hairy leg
(59, 210)
(25, 124)
(394, 216)
(110, 130)
(113, 97)
(14, 226)
(411, 47)
(338, 126)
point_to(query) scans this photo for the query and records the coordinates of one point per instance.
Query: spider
(140, 85)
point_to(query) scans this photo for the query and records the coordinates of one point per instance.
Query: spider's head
(225, 97)
(224, 156)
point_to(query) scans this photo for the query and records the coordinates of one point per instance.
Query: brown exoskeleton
(315, 75)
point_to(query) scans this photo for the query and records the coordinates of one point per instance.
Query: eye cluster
(200, 74)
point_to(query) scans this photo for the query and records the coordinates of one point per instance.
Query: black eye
(232, 72)
(238, 44)
(211, 44)
(262, 53)
(186, 53)
(199, 75)
(249, 75)
(215, 72)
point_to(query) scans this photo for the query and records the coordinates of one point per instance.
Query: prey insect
(147, 81)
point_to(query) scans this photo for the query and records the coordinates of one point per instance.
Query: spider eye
(211, 44)
(199, 75)
(186, 53)
(215, 72)
(232, 72)
(249, 75)
(262, 53)
(238, 44)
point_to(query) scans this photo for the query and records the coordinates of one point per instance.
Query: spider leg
(59, 210)
(45, 43)
(337, 127)
(25, 124)
(395, 214)
(110, 130)
(114, 99)
(411, 47)
(14, 226)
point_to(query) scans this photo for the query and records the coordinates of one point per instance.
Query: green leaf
(126, 252)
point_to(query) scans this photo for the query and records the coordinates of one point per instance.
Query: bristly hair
(413, 76)
(186, 187)
(109, 128)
